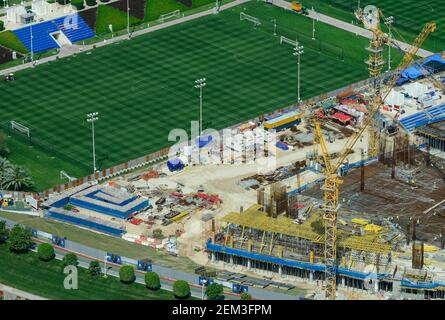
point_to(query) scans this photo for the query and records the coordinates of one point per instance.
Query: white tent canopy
(395, 98)
(416, 89)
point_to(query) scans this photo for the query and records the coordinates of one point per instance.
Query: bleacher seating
(73, 26)
(429, 115)
(41, 36)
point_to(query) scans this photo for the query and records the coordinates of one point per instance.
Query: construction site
(342, 195)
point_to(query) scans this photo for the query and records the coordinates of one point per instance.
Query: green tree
(94, 268)
(4, 150)
(2, 25)
(45, 252)
(19, 239)
(70, 259)
(3, 232)
(245, 296)
(152, 281)
(5, 170)
(215, 292)
(126, 274)
(181, 289)
(18, 179)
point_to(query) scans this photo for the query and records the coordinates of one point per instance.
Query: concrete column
(311, 276)
(280, 270)
(231, 259)
(376, 285)
(213, 256)
(248, 264)
(343, 281)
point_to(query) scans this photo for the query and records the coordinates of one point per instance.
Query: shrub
(70, 259)
(78, 4)
(68, 207)
(181, 289)
(157, 234)
(215, 292)
(94, 268)
(63, 2)
(3, 232)
(45, 252)
(245, 296)
(2, 25)
(19, 239)
(126, 274)
(152, 281)
(91, 2)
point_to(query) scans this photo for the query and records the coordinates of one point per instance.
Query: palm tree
(18, 179)
(5, 170)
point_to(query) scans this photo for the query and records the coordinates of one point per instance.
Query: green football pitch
(409, 16)
(144, 88)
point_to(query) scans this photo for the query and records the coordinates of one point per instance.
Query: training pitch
(144, 88)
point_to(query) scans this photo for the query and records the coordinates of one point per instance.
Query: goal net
(254, 20)
(285, 40)
(20, 127)
(170, 15)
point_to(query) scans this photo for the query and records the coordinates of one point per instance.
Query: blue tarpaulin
(282, 146)
(175, 165)
(412, 73)
(435, 62)
(203, 141)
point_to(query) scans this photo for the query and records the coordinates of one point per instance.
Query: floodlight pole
(128, 18)
(199, 84)
(32, 48)
(313, 26)
(93, 117)
(204, 282)
(275, 27)
(298, 51)
(389, 21)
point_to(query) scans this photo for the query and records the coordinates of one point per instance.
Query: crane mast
(332, 182)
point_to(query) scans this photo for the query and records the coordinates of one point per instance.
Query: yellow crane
(332, 182)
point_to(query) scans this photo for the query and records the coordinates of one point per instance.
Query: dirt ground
(397, 198)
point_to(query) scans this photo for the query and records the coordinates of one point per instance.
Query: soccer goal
(20, 127)
(285, 40)
(254, 20)
(170, 15)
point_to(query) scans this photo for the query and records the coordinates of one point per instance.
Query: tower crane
(333, 181)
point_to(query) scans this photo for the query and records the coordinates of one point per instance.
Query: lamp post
(93, 117)
(298, 51)
(274, 27)
(128, 18)
(31, 38)
(199, 84)
(204, 282)
(389, 21)
(313, 25)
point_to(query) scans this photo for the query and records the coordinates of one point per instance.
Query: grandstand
(419, 119)
(44, 34)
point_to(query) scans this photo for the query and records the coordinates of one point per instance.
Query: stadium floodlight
(274, 27)
(31, 40)
(128, 18)
(93, 117)
(389, 21)
(298, 51)
(313, 24)
(199, 84)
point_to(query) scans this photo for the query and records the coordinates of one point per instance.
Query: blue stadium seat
(422, 118)
(73, 26)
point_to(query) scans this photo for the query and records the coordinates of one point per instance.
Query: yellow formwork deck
(254, 218)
